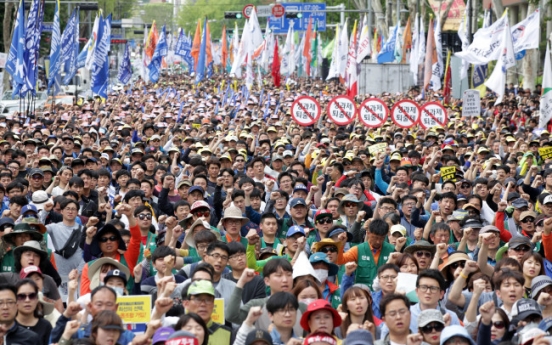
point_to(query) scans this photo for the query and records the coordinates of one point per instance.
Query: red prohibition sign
(400, 105)
(343, 117)
(300, 112)
(377, 120)
(425, 113)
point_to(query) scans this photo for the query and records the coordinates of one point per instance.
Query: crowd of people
(212, 195)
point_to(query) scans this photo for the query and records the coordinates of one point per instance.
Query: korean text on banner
(377, 148)
(134, 309)
(448, 173)
(218, 311)
(545, 152)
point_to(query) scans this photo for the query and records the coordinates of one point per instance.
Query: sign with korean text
(218, 311)
(309, 10)
(448, 173)
(433, 114)
(134, 309)
(373, 112)
(471, 103)
(377, 149)
(305, 110)
(545, 152)
(405, 113)
(342, 110)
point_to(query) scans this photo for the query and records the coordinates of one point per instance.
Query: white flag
(507, 59)
(398, 44)
(422, 44)
(334, 65)
(465, 43)
(525, 34)
(343, 51)
(287, 65)
(299, 58)
(439, 47)
(546, 97)
(243, 49)
(486, 44)
(90, 56)
(413, 60)
(365, 43)
(256, 36)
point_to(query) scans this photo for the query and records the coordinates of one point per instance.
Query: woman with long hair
(407, 263)
(30, 312)
(531, 265)
(194, 324)
(357, 304)
(306, 291)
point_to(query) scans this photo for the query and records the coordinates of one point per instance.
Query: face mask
(119, 290)
(306, 301)
(322, 274)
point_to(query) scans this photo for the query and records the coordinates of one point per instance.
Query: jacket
(18, 335)
(83, 332)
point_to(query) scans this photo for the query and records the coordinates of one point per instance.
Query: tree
(7, 35)
(162, 13)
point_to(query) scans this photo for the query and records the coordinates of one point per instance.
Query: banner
(69, 47)
(376, 149)
(525, 34)
(15, 65)
(471, 103)
(134, 309)
(218, 311)
(546, 96)
(486, 44)
(125, 69)
(545, 152)
(448, 173)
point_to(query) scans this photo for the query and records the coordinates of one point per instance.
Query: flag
(161, 50)
(485, 46)
(398, 45)
(200, 71)
(314, 50)
(334, 67)
(81, 58)
(414, 60)
(364, 44)
(546, 96)
(328, 49)
(438, 68)
(352, 74)
(388, 51)
(152, 41)
(276, 65)
(15, 64)
(526, 34)
(55, 49)
(224, 48)
(497, 80)
(299, 56)
(267, 54)
(307, 54)
(32, 41)
(480, 71)
(70, 47)
(430, 65)
(145, 61)
(125, 68)
(208, 50)
(407, 40)
(343, 51)
(287, 64)
(447, 81)
(241, 52)
(375, 49)
(184, 48)
(89, 63)
(256, 35)
(100, 70)
(422, 43)
(462, 34)
(235, 43)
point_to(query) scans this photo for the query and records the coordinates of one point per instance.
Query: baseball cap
(322, 257)
(338, 229)
(299, 187)
(538, 283)
(199, 204)
(428, 316)
(162, 334)
(514, 196)
(36, 172)
(547, 200)
(27, 271)
(322, 213)
(524, 308)
(519, 203)
(457, 215)
(115, 273)
(184, 183)
(488, 228)
(181, 338)
(201, 287)
(196, 188)
(288, 153)
(320, 337)
(359, 337)
(527, 214)
(472, 223)
(29, 208)
(398, 228)
(296, 201)
(295, 230)
(518, 241)
(258, 335)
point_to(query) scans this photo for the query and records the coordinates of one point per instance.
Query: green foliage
(162, 13)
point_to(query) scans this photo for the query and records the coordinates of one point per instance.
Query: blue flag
(15, 65)
(200, 73)
(179, 112)
(55, 49)
(125, 69)
(32, 41)
(387, 53)
(70, 47)
(184, 49)
(160, 50)
(81, 59)
(100, 65)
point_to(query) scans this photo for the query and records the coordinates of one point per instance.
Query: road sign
(342, 110)
(314, 10)
(278, 10)
(247, 10)
(305, 110)
(433, 114)
(264, 11)
(471, 103)
(405, 113)
(373, 112)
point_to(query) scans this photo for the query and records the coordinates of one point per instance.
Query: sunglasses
(328, 249)
(457, 264)
(325, 221)
(143, 216)
(205, 214)
(528, 220)
(438, 327)
(112, 238)
(521, 249)
(465, 186)
(24, 296)
(350, 204)
(421, 254)
(498, 324)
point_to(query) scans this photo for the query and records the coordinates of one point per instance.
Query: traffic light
(232, 15)
(293, 15)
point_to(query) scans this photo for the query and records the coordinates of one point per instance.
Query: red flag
(208, 45)
(276, 65)
(224, 55)
(448, 81)
(152, 40)
(196, 44)
(307, 47)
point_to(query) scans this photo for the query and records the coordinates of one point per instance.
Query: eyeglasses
(455, 265)
(9, 303)
(112, 238)
(521, 249)
(394, 313)
(164, 162)
(388, 208)
(284, 311)
(217, 256)
(350, 204)
(205, 213)
(498, 324)
(388, 277)
(37, 177)
(240, 160)
(432, 289)
(204, 300)
(23, 296)
(328, 249)
(438, 327)
(528, 220)
(143, 216)
(422, 254)
(325, 221)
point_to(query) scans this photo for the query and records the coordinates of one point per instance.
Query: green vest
(151, 245)
(243, 241)
(367, 267)
(274, 245)
(8, 262)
